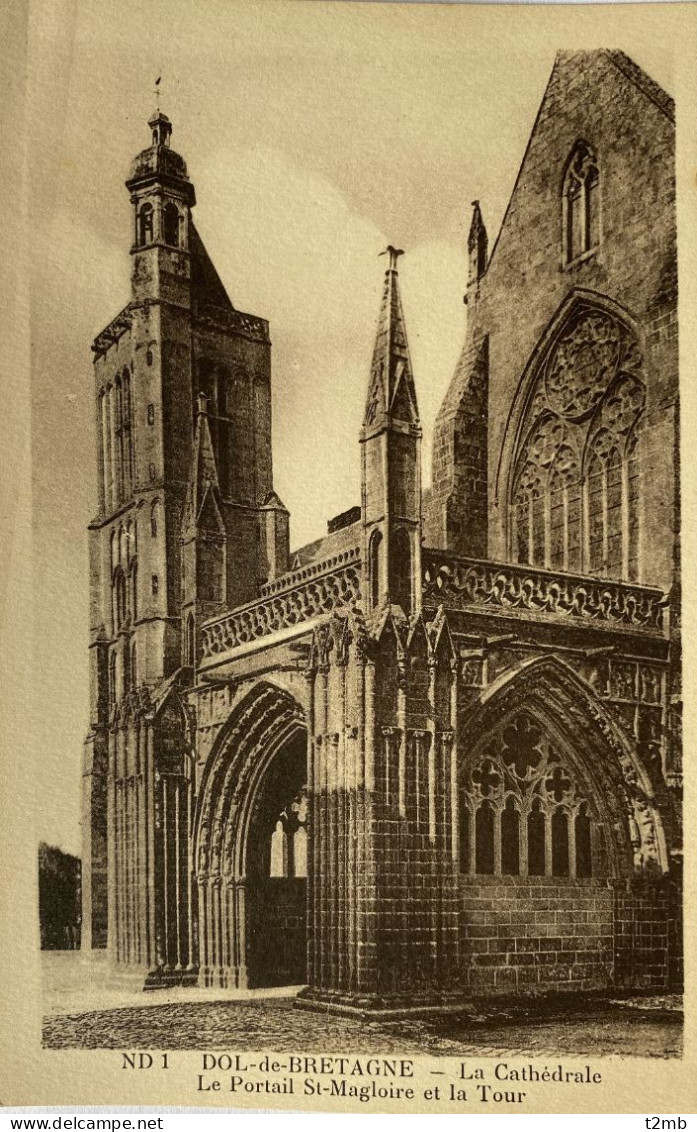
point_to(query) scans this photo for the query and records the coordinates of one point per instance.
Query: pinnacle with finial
(394, 254)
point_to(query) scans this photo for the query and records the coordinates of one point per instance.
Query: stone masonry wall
(648, 934)
(535, 934)
(456, 514)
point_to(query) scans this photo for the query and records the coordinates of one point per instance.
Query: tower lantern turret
(162, 196)
(161, 128)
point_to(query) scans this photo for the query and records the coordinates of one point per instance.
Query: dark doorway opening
(277, 872)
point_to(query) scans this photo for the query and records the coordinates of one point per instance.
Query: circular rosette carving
(582, 365)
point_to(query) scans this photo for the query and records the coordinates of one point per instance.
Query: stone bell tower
(187, 525)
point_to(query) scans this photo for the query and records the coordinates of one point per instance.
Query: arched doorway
(251, 849)
(277, 872)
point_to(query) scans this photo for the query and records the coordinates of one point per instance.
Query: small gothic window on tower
(145, 226)
(127, 433)
(119, 599)
(374, 568)
(112, 679)
(581, 204)
(211, 568)
(119, 440)
(134, 590)
(400, 581)
(126, 660)
(171, 217)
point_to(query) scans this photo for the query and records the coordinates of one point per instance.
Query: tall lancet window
(580, 204)
(127, 431)
(171, 224)
(374, 557)
(118, 440)
(145, 225)
(575, 501)
(400, 569)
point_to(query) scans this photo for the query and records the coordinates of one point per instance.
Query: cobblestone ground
(640, 1028)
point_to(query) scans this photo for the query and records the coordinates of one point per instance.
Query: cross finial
(394, 254)
(158, 80)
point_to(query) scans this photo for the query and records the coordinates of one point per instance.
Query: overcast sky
(315, 134)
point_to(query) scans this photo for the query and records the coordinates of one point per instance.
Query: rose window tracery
(523, 811)
(582, 365)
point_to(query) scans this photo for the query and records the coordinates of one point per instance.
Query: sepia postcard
(342, 703)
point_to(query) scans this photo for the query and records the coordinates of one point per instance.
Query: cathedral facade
(435, 754)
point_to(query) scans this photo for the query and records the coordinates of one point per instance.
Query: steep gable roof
(207, 289)
(626, 67)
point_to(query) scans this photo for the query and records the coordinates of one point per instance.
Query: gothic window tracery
(581, 213)
(575, 499)
(523, 811)
(288, 843)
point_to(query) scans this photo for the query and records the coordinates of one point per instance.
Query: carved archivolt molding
(242, 749)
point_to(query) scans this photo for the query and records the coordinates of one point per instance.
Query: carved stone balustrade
(293, 599)
(464, 583)
(307, 573)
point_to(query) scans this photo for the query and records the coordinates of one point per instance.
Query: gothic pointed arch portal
(557, 820)
(251, 849)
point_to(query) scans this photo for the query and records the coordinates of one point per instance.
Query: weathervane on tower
(394, 254)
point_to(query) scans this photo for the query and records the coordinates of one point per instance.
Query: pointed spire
(391, 391)
(477, 246)
(205, 470)
(203, 482)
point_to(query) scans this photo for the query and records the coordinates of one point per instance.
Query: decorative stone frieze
(463, 583)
